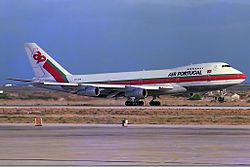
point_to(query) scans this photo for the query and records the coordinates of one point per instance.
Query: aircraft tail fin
(44, 66)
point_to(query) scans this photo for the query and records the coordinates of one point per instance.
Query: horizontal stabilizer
(20, 80)
(60, 84)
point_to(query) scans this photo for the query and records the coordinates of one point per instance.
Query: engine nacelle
(89, 91)
(136, 92)
(191, 94)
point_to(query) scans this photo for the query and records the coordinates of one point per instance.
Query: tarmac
(155, 145)
(125, 107)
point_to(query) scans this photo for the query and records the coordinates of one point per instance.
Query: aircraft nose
(244, 76)
(241, 76)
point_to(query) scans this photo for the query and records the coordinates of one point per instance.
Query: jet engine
(89, 91)
(136, 92)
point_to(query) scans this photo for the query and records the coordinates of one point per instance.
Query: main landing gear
(137, 102)
(154, 103)
(134, 102)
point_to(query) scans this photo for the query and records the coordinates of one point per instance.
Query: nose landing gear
(221, 97)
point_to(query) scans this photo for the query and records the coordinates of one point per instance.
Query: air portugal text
(184, 73)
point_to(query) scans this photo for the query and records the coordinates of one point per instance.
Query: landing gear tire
(220, 99)
(134, 103)
(128, 103)
(155, 103)
(141, 103)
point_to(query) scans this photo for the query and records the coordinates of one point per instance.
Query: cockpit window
(226, 65)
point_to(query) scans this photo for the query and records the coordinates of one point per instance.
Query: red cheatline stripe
(181, 79)
(55, 72)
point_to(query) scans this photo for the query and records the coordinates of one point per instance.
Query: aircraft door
(209, 72)
(208, 75)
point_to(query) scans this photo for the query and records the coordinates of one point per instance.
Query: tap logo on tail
(50, 67)
(39, 57)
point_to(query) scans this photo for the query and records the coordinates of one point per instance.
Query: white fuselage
(197, 77)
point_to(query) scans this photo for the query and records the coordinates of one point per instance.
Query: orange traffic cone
(38, 121)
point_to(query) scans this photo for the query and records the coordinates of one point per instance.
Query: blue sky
(98, 36)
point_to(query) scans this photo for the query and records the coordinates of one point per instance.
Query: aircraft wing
(110, 86)
(99, 85)
(110, 90)
(118, 86)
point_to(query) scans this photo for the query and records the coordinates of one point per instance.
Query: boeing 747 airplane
(134, 86)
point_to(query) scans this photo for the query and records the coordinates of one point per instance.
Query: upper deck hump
(135, 75)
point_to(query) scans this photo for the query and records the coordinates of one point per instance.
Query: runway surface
(127, 108)
(115, 145)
